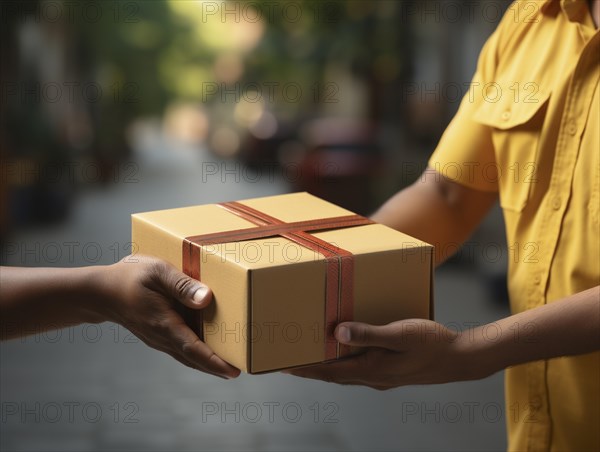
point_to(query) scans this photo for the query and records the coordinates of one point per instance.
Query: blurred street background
(111, 108)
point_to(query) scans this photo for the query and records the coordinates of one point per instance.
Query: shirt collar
(576, 10)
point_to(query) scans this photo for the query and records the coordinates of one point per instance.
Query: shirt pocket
(516, 126)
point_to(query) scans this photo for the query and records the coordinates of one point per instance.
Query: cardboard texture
(268, 311)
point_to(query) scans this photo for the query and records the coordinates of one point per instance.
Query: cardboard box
(281, 283)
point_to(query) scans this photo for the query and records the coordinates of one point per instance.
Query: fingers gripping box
(285, 270)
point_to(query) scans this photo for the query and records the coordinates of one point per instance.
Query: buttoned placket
(581, 87)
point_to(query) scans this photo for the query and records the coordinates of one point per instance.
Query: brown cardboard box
(273, 297)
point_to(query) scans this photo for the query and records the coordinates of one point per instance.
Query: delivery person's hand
(147, 296)
(407, 352)
(413, 352)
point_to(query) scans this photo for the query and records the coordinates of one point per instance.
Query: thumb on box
(190, 292)
(201, 297)
(363, 335)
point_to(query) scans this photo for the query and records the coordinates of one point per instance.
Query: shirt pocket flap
(515, 120)
(509, 108)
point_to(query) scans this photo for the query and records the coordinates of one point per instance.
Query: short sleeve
(465, 153)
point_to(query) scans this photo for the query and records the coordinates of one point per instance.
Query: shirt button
(536, 402)
(556, 202)
(536, 279)
(505, 115)
(572, 128)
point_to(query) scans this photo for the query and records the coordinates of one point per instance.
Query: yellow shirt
(528, 128)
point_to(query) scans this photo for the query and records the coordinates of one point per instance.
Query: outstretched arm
(419, 351)
(143, 294)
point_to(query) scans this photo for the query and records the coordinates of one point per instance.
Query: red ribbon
(339, 295)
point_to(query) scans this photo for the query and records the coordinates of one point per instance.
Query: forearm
(421, 213)
(437, 211)
(39, 299)
(570, 326)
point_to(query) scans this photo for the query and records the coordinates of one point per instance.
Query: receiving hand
(145, 297)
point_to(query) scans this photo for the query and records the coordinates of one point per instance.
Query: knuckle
(362, 333)
(160, 325)
(156, 266)
(154, 318)
(154, 270)
(188, 347)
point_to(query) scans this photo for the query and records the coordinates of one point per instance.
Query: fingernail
(200, 294)
(343, 334)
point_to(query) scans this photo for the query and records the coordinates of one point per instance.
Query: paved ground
(98, 388)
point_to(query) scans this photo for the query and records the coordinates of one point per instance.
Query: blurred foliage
(123, 49)
(170, 49)
(147, 54)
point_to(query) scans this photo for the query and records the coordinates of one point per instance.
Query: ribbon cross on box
(339, 294)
